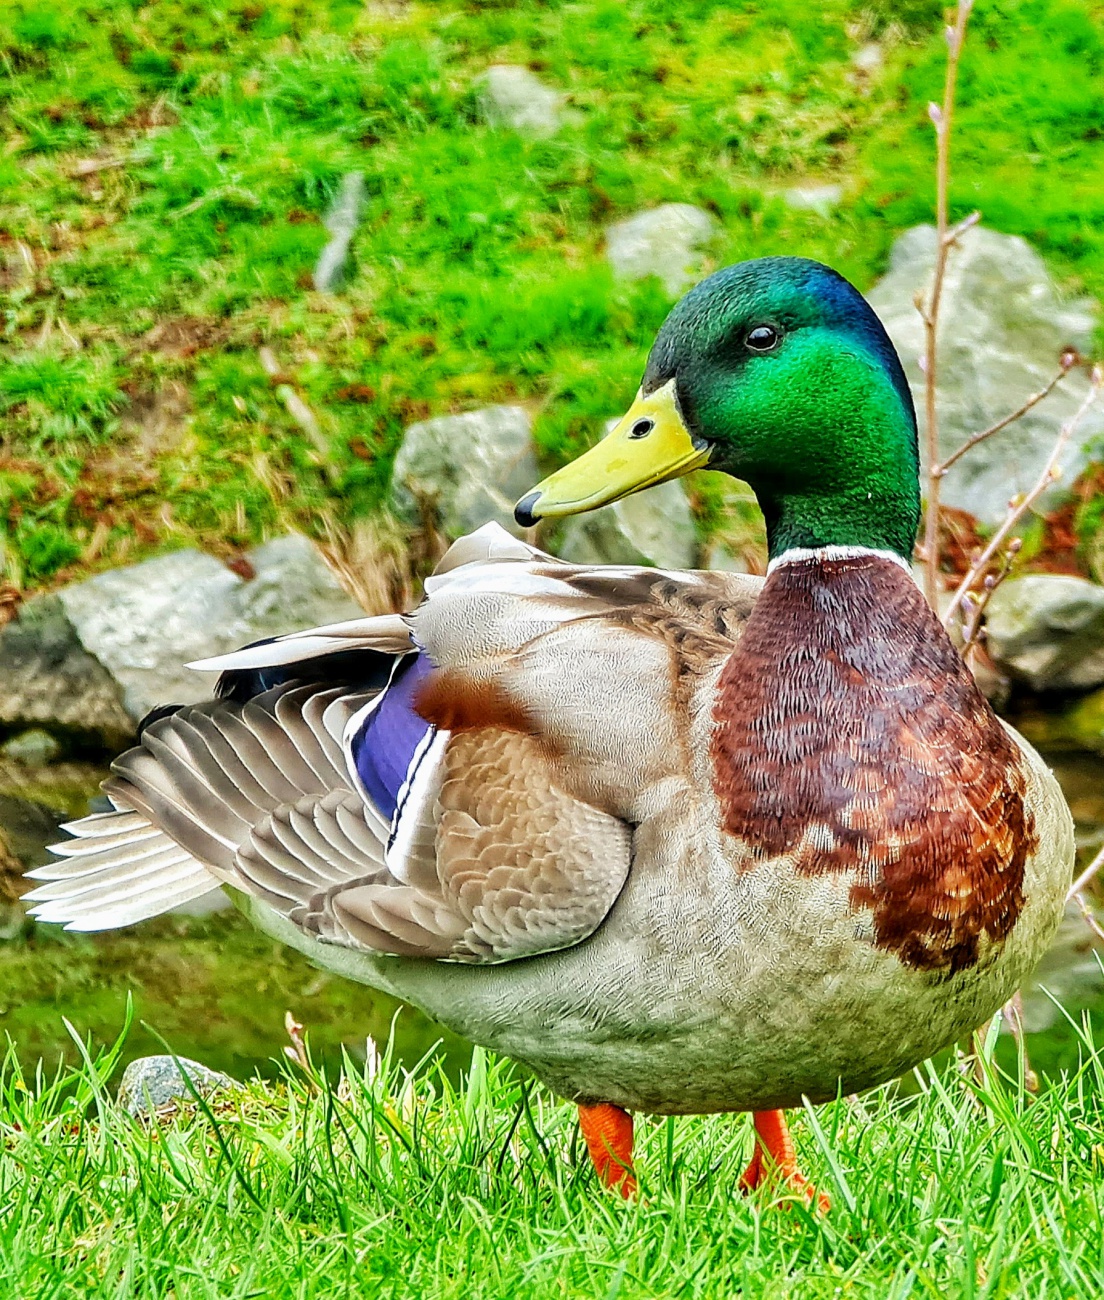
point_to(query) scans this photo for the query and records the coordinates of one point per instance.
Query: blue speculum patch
(392, 736)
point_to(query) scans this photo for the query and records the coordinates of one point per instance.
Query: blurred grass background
(165, 168)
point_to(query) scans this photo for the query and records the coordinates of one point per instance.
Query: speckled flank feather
(899, 774)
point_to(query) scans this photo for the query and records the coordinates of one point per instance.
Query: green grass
(213, 986)
(135, 414)
(403, 1184)
(480, 269)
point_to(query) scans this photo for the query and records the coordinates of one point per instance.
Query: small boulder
(722, 558)
(31, 748)
(653, 527)
(342, 220)
(153, 1083)
(34, 801)
(1047, 630)
(513, 97)
(144, 622)
(462, 471)
(821, 199)
(1002, 327)
(667, 242)
(48, 680)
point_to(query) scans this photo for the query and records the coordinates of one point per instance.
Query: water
(216, 990)
(208, 984)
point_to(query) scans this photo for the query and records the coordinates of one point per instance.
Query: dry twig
(1068, 360)
(297, 1052)
(974, 606)
(1086, 877)
(1017, 509)
(945, 238)
(1089, 916)
(299, 411)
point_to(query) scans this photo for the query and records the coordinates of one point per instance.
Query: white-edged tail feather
(118, 869)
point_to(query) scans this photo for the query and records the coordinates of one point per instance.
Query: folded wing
(397, 784)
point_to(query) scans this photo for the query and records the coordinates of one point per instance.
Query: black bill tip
(523, 511)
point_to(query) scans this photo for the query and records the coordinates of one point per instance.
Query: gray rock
(34, 801)
(513, 97)
(48, 680)
(26, 828)
(722, 559)
(821, 199)
(145, 621)
(32, 748)
(667, 242)
(653, 527)
(465, 470)
(341, 221)
(1048, 630)
(152, 1083)
(868, 59)
(1002, 328)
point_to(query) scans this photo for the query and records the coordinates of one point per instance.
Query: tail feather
(118, 869)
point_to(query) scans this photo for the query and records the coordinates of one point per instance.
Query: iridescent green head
(777, 372)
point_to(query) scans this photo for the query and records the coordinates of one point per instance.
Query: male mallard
(680, 842)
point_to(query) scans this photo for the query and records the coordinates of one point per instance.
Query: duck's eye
(641, 428)
(762, 338)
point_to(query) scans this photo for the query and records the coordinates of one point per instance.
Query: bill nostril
(641, 428)
(523, 511)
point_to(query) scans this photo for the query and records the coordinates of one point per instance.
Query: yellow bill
(649, 445)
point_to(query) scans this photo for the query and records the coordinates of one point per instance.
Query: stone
(821, 199)
(48, 680)
(868, 59)
(654, 527)
(667, 242)
(31, 748)
(34, 801)
(342, 220)
(461, 471)
(1047, 630)
(513, 97)
(721, 558)
(27, 828)
(153, 1083)
(143, 623)
(1002, 328)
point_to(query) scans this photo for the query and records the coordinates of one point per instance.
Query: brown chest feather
(850, 734)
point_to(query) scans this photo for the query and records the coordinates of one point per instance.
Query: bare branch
(1051, 472)
(961, 227)
(1085, 878)
(299, 411)
(1065, 367)
(1090, 917)
(941, 119)
(975, 607)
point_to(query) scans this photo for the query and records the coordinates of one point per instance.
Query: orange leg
(772, 1138)
(608, 1131)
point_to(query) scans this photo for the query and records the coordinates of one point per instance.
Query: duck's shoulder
(493, 594)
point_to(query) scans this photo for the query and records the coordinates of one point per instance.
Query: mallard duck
(680, 842)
